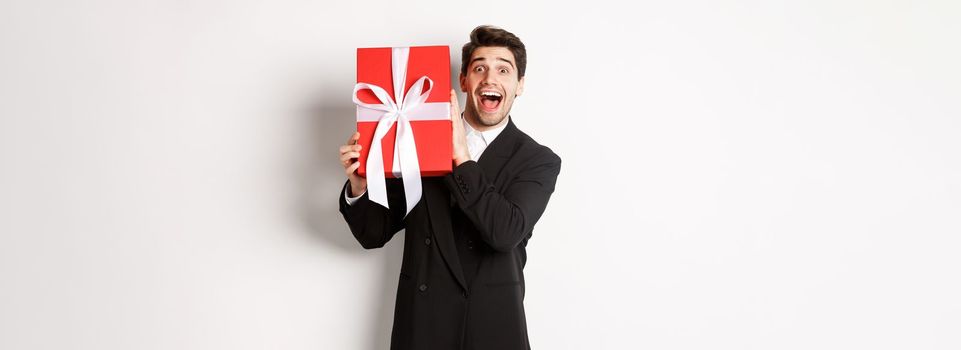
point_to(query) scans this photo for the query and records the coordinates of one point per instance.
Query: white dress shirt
(477, 142)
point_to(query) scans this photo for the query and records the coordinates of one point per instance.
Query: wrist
(356, 191)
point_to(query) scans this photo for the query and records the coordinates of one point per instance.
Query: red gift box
(430, 123)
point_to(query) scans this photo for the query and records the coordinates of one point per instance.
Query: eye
(479, 69)
(505, 71)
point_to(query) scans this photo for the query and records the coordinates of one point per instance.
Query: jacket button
(423, 288)
(427, 241)
(465, 294)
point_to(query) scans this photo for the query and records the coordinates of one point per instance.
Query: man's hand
(348, 158)
(461, 154)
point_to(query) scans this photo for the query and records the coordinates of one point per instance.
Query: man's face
(491, 85)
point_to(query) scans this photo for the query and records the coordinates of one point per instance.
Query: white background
(736, 175)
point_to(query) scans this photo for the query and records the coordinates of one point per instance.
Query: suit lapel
(497, 153)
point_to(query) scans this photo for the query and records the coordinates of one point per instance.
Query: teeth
(490, 93)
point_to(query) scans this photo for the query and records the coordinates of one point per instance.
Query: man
(462, 280)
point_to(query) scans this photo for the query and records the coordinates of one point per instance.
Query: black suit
(462, 278)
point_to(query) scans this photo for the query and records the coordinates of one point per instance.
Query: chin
(491, 119)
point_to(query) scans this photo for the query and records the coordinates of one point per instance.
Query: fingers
(348, 148)
(351, 169)
(350, 152)
(348, 156)
(456, 120)
(351, 145)
(454, 106)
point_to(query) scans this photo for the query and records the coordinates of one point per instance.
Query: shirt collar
(489, 135)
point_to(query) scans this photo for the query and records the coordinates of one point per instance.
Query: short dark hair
(487, 35)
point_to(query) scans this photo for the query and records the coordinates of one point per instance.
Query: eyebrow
(498, 58)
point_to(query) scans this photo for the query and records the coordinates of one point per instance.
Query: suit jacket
(461, 283)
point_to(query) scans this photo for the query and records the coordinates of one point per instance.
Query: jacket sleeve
(370, 223)
(504, 220)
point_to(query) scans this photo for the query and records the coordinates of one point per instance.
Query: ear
(520, 88)
(463, 83)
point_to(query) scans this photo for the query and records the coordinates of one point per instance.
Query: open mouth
(490, 100)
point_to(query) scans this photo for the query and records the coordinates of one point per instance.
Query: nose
(488, 79)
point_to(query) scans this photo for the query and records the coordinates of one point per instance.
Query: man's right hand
(349, 154)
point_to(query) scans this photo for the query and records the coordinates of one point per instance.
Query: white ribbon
(401, 109)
